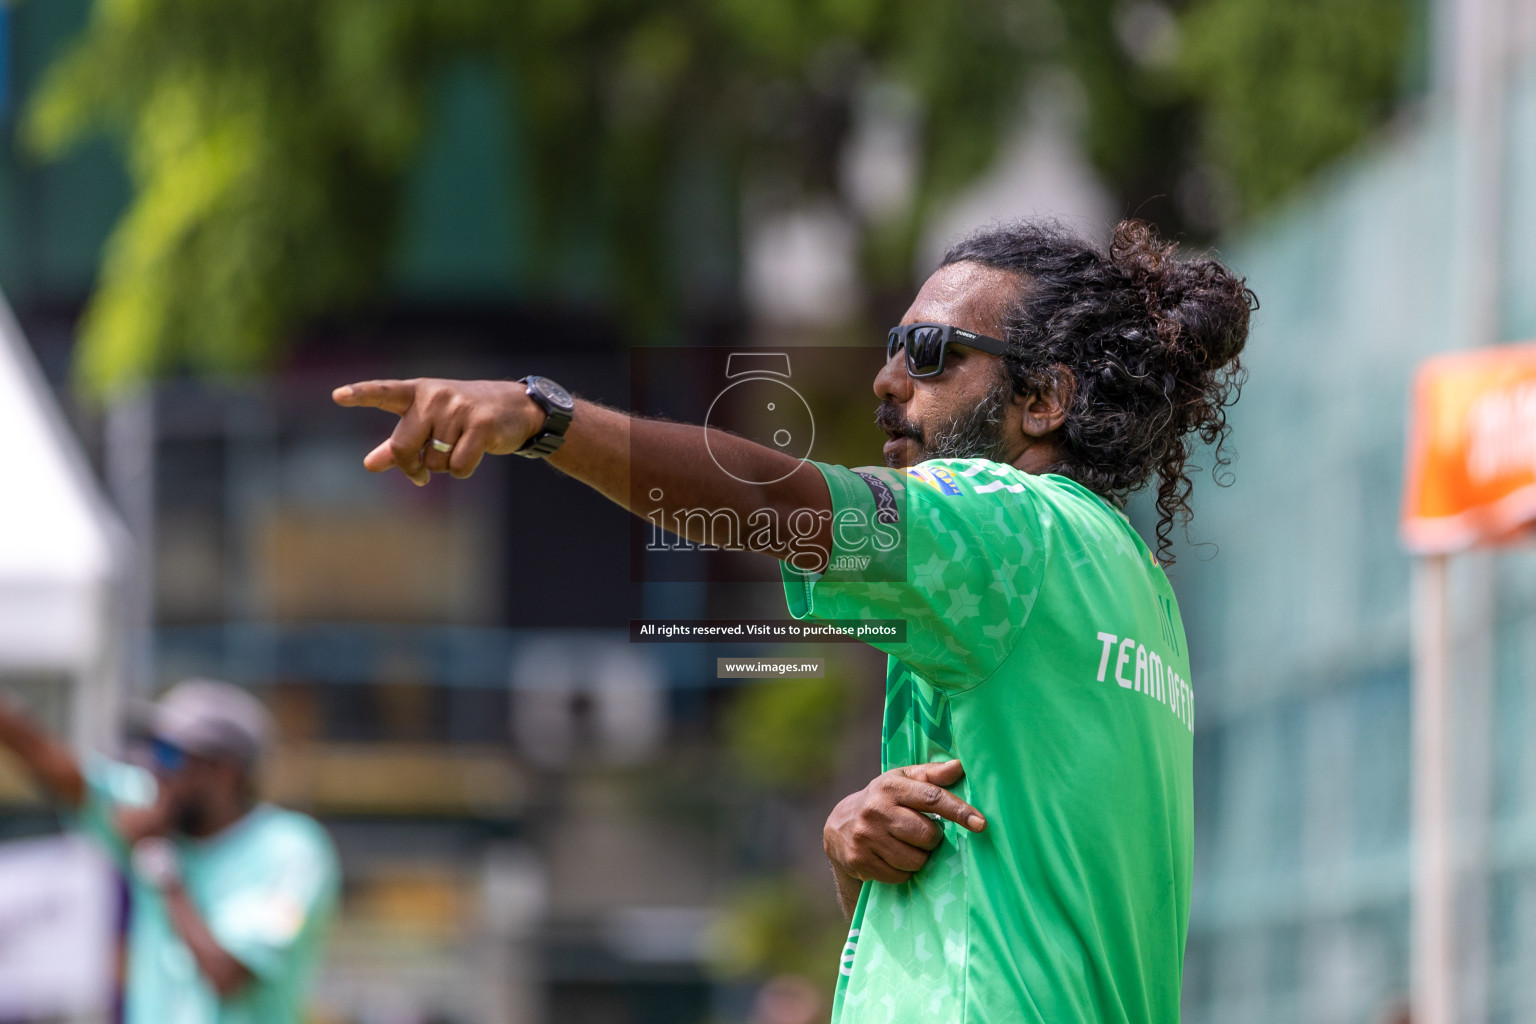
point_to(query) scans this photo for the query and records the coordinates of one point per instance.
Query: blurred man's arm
(226, 974)
(112, 819)
(50, 762)
(619, 455)
(156, 864)
(251, 928)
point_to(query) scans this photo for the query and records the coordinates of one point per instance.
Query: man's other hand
(50, 762)
(475, 417)
(883, 833)
(158, 819)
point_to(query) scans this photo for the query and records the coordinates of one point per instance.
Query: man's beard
(975, 433)
(191, 818)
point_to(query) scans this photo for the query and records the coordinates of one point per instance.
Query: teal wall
(464, 224)
(54, 217)
(1297, 607)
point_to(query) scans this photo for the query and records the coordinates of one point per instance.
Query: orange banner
(1472, 450)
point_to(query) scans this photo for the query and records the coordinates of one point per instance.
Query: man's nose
(892, 384)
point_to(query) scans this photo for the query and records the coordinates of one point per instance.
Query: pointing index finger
(934, 799)
(393, 396)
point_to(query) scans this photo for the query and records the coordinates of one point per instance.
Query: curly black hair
(1152, 342)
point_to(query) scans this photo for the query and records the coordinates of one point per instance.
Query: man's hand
(476, 417)
(158, 819)
(883, 833)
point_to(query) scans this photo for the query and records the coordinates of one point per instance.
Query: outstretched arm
(632, 461)
(50, 762)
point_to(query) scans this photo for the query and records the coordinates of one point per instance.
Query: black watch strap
(557, 406)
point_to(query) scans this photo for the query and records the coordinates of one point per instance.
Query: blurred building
(460, 710)
(458, 700)
(1297, 603)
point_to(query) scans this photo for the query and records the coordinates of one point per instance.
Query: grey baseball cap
(212, 719)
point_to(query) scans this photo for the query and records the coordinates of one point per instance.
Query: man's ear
(1046, 408)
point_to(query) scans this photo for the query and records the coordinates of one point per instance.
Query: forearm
(683, 478)
(50, 762)
(661, 470)
(226, 974)
(848, 889)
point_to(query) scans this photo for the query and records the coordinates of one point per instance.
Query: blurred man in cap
(231, 897)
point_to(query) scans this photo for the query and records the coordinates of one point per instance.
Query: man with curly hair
(1025, 855)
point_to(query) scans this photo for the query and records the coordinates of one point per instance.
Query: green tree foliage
(264, 140)
(1207, 112)
(1285, 87)
(775, 926)
(787, 733)
(268, 139)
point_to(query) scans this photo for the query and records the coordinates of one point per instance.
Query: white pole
(1480, 40)
(1433, 904)
(129, 450)
(1478, 111)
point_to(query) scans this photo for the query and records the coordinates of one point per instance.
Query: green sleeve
(109, 786)
(954, 547)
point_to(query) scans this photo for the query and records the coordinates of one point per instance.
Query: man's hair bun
(1200, 307)
(1153, 342)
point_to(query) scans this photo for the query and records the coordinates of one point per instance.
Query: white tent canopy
(61, 547)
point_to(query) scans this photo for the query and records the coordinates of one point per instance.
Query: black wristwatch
(558, 407)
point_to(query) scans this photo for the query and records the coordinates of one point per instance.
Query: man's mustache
(890, 418)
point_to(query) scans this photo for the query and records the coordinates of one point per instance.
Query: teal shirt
(266, 887)
(1044, 649)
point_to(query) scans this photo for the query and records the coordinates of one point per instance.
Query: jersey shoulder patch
(937, 477)
(974, 476)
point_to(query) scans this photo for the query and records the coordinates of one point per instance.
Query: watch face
(553, 393)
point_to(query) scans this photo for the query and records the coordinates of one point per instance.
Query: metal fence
(1300, 624)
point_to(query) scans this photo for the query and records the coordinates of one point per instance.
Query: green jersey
(1044, 649)
(266, 887)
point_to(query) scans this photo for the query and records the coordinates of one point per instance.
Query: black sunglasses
(168, 757)
(926, 343)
